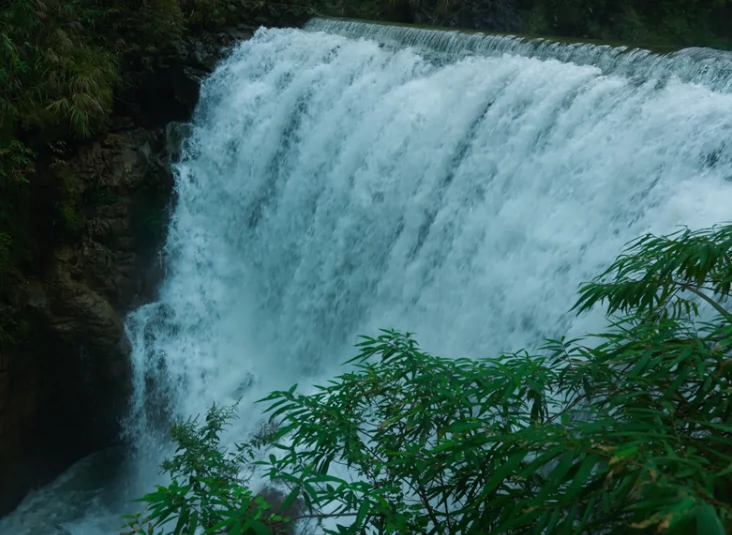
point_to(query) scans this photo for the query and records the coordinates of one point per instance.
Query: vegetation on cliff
(641, 22)
(651, 22)
(630, 429)
(64, 69)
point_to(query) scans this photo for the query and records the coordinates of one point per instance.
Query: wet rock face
(127, 185)
(64, 386)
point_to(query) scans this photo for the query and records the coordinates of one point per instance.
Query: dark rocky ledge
(65, 384)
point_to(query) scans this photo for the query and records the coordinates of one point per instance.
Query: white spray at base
(333, 186)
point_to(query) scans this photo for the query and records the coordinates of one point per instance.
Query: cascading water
(335, 184)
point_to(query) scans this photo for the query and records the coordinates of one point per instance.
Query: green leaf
(581, 477)
(258, 527)
(708, 522)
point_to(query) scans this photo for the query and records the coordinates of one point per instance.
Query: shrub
(661, 22)
(58, 84)
(627, 430)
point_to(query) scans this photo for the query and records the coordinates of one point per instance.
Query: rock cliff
(66, 381)
(100, 217)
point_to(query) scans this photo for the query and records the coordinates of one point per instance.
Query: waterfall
(350, 177)
(699, 65)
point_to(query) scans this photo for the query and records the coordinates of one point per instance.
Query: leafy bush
(58, 83)
(57, 78)
(659, 22)
(630, 429)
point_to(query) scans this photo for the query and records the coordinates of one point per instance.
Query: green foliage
(653, 274)
(661, 22)
(207, 13)
(628, 430)
(58, 83)
(16, 162)
(144, 35)
(69, 209)
(13, 331)
(56, 77)
(4, 251)
(208, 488)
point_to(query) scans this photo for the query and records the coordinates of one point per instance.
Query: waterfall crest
(706, 66)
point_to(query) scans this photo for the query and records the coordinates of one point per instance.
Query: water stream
(349, 177)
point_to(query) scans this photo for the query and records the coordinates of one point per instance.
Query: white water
(333, 186)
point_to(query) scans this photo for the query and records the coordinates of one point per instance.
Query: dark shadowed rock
(171, 94)
(64, 385)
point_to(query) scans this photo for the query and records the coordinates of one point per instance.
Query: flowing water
(349, 177)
